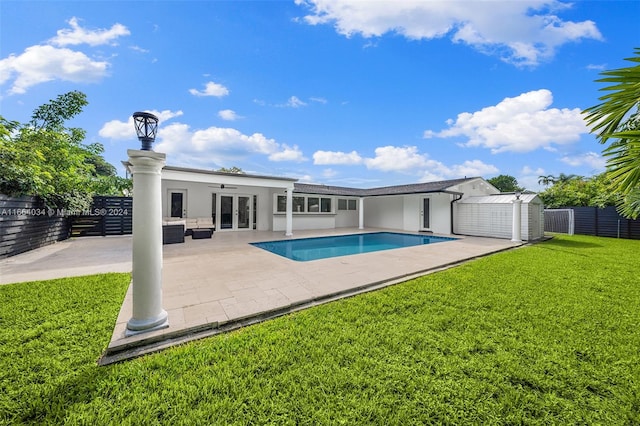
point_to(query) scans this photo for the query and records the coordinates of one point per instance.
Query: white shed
(492, 216)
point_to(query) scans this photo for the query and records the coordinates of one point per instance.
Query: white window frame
(305, 204)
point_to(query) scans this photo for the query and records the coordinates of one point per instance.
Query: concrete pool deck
(223, 283)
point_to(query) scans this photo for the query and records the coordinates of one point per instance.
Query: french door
(236, 212)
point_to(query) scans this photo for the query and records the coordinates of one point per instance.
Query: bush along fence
(605, 222)
(26, 223)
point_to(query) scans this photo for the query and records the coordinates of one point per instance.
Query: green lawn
(547, 334)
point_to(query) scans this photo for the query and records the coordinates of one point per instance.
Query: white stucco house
(238, 202)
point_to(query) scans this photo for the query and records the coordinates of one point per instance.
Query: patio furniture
(173, 230)
(199, 234)
(172, 234)
(199, 223)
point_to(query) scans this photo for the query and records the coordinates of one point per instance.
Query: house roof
(238, 175)
(415, 188)
(447, 186)
(501, 199)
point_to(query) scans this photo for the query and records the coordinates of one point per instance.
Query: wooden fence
(26, 223)
(605, 222)
(107, 216)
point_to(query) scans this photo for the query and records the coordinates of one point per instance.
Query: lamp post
(146, 125)
(146, 167)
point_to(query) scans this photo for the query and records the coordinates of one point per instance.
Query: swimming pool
(305, 249)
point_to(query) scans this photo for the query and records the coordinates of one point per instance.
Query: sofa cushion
(205, 222)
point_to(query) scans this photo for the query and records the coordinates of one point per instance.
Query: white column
(289, 228)
(517, 221)
(361, 213)
(148, 314)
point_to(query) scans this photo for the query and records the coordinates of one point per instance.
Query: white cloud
(591, 159)
(529, 178)
(319, 100)
(39, 64)
(521, 124)
(329, 173)
(288, 153)
(228, 115)
(211, 89)
(205, 147)
(407, 160)
(336, 158)
(121, 130)
(219, 146)
(294, 102)
(138, 49)
(472, 168)
(393, 158)
(306, 179)
(78, 35)
(526, 170)
(520, 32)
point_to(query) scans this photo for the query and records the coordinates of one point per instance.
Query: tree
(578, 191)
(546, 180)
(233, 169)
(505, 183)
(617, 120)
(46, 159)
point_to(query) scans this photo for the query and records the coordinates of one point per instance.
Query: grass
(547, 334)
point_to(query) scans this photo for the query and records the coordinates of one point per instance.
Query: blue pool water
(343, 245)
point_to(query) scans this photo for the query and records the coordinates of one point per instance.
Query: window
(298, 204)
(325, 205)
(347, 204)
(313, 204)
(301, 204)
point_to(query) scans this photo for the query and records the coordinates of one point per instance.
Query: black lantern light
(146, 128)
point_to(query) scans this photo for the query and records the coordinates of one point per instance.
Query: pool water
(305, 249)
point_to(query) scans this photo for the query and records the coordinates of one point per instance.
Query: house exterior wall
(476, 187)
(308, 221)
(199, 200)
(384, 212)
(441, 213)
(348, 218)
(403, 212)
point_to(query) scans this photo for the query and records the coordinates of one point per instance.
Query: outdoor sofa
(200, 227)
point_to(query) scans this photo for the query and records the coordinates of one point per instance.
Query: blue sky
(340, 92)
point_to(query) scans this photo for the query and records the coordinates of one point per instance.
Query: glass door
(178, 203)
(244, 212)
(236, 212)
(226, 212)
(425, 214)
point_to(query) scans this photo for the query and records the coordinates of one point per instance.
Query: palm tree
(562, 178)
(617, 118)
(546, 180)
